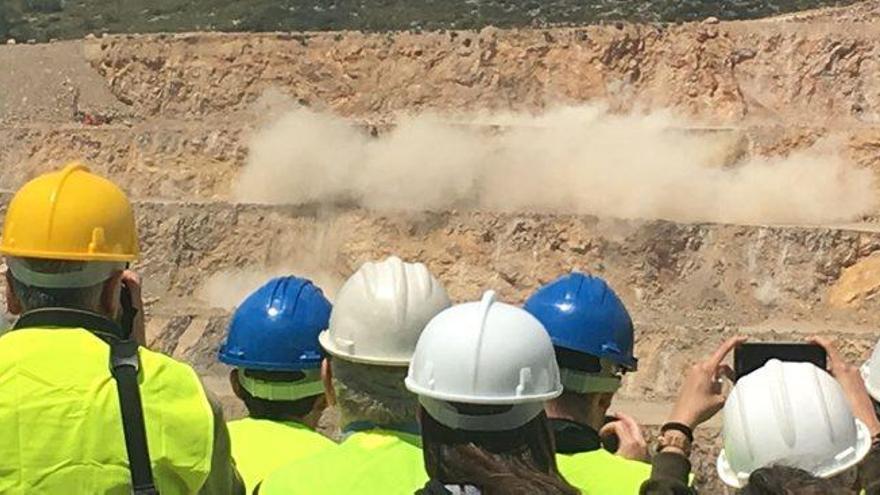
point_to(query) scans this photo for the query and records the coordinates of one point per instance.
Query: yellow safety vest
(60, 425)
(260, 446)
(373, 461)
(600, 472)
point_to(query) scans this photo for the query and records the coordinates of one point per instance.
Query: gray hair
(31, 297)
(372, 393)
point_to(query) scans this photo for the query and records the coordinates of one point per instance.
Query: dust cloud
(309, 254)
(578, 159)
(228, 288)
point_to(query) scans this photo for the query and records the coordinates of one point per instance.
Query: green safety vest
(60, 423)
(373, 461)
(260, 446)
(600, 472)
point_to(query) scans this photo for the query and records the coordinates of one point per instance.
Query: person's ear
(327, 379)
(235, 384)
(13, 303)
(110, 295)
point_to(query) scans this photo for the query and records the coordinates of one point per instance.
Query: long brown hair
(510, 462)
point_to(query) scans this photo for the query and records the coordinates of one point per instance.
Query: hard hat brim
(728, 476)
(448, 415)
(863, 446)
(628, 362)
(502, 400)
(64, 256)
(266, 365)
(330, 346)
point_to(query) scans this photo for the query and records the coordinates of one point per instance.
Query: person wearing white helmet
(789, 414)
(787, 427)
(375, 323)
(870, 372)
(482, 372)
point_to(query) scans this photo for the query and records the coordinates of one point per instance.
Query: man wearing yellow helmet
(84, 408)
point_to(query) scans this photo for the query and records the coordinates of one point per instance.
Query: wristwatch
(674, 439)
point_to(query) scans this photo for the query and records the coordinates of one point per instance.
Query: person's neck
(582, 414)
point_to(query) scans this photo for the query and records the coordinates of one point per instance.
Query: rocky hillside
(172, 117)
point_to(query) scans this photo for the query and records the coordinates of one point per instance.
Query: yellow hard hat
(71, 214)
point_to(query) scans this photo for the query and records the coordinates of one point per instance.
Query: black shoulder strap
(124, 366)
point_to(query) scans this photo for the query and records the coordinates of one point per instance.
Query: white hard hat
(871, 373)
(380, 312)
(789, 414)
(484, 353)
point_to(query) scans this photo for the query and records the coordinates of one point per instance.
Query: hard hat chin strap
(447, 415)
(309, 386)
(588, 383)
(91, 273)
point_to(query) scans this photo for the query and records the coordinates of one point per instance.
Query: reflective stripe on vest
(260, 446)
(60, 420)
(601, 472)
(375, 461)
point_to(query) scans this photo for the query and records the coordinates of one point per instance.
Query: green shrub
(44, 6)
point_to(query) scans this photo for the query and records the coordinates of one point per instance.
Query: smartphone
(125, 298)
(128, 311)
(750, 356)
(610, 442)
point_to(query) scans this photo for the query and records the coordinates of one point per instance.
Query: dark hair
(511, 462)
(578, 361)
(276, 410)
(784, 480)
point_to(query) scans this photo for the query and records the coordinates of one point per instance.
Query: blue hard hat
(276, 328)
(583, 314)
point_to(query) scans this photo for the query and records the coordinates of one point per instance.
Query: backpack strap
(124, 366)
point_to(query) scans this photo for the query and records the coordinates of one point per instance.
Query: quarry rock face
(723, 74)
(857, 284)
(171, 118)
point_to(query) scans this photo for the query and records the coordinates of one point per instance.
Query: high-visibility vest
(373, 461)
(60, 423)
(603, 473)
(260, 446)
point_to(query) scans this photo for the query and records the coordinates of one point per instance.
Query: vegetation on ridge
(43, 20)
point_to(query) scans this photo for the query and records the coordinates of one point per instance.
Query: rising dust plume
(568, 160)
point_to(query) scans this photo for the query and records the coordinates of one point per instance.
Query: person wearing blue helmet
(272, 343)
(592, 335)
